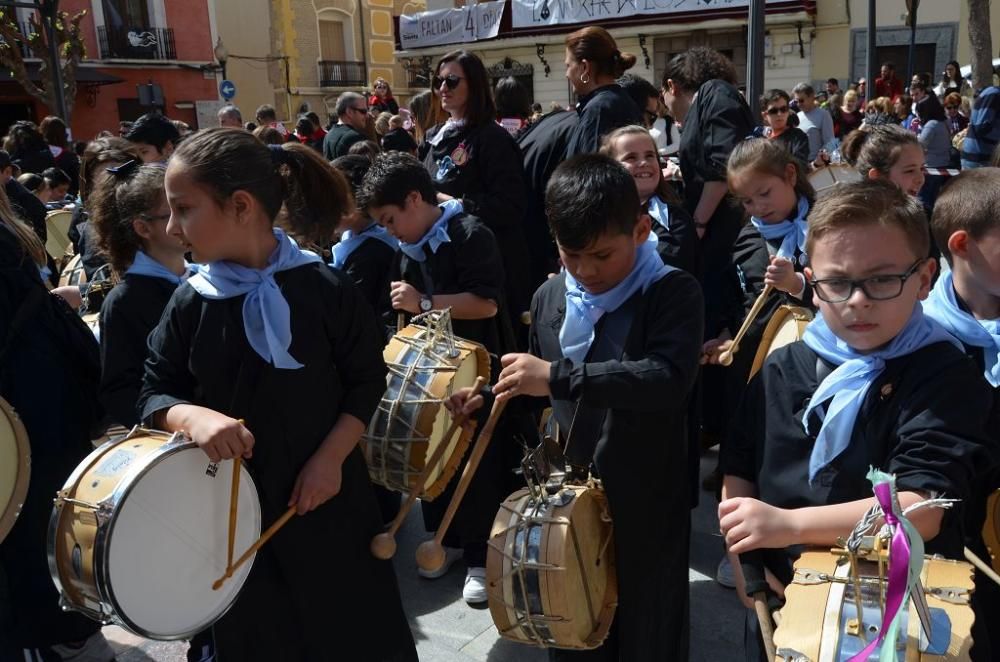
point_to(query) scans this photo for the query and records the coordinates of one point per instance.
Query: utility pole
(755, 55)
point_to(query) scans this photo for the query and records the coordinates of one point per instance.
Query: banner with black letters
(451, 26)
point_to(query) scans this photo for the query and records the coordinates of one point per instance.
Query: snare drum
(15, 467)
(991, 528)
(426, 365)
(73, 273)
(813, 622)
(140, 531)
(787, 325)
(57, 232)
(550, 568)
(831, 175)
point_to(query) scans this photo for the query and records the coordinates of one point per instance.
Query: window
(331, 40)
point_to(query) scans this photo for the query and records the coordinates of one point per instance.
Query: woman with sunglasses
(774, 105)
(473, 159)
(593, 64)
(953, 113)
(382, 101)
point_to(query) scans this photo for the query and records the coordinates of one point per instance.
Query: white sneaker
(475, 586)
(451, 554)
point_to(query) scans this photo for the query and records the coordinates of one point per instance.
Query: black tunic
(368, 266)
(678, 244)
(131, 310)
(490, 184)
(641, 456)
(603, 110)
(315, 588)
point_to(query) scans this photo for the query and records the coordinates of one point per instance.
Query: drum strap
(587, 423)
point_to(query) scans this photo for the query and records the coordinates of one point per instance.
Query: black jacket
(339, 139)
(601, 111)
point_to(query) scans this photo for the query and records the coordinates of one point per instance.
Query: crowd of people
(259, 268)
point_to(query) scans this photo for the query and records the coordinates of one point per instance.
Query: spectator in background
(366, 148)
(382, 101)
(269, 135)
(880, 111)
(266, 116)
(351, 126)
(815, 122)
(35, 184)
(123, 128)
(398, 139)
(936, 141)
(952, 81)
(887, 85)
(775, 111)
(319, 133)
(425, 113)
(27, 206)
(903, 111)
(305, 132)
(922, 78)
(28, 149)
(832, 86)
(952, 108)
(155, 137)
(850, 114)
(382, 124)
(983, 133)
(512, 100)
(644, 95)
(230, 116)
(57, 182)
(53, 129)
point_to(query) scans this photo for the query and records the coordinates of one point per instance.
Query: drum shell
(18, 472)
(564, 603)
(787, 324)
(991, 528)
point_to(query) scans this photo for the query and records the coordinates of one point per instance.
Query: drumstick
(430, 553)
(726, 357)
(271, 530)
(979, 563)
(234, 496)
(766, 626)
(383, 545)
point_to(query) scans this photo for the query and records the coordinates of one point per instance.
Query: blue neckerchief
(349, 242)
(436, 235)
(845, 388)
(583, 310)
(659, 211)
(942, 306)
(266, 316)
(791, 232)
(44, 272)
(143, 265)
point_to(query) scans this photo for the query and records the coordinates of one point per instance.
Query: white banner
(451, 26)
(535, 13)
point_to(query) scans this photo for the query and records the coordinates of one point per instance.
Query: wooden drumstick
(971, 557)
(271, 530)
(430, 553)
(383, 545)
(766, 625)
(726, 357)
(400, 321)
(234, 497)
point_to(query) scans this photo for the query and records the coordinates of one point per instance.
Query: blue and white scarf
(266, 316)
(942, 305)
(791, 232)
(436, 235)
(349, 242)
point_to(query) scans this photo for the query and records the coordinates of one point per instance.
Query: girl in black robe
(306, 389)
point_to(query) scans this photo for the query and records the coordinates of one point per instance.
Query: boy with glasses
(352, 120)
(873, 383)
(775, 111)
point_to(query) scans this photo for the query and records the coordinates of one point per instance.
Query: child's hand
(522, 374)
(713, 349)
(70, 294)
(404, 296)
(318, 482)
(465, 401)
(748, 524)
(782, 276)
(221, 437)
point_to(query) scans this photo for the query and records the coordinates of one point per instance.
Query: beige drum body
(425, 368)
(786, 326)
(814, 614)
(831, 175)
(140, 532)
(15, 467)
(57, 233)
(991, 528)
(73, 273)
(550, 568)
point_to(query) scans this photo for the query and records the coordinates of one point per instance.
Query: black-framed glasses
(451, 80)
(778, 110)
(876, 288)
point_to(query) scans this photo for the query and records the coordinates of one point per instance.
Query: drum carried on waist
(991, 528)
(140, 532)
(57, 233)
(427, 363)
(550, 568)
(15, 467)
(831, 175)
(786, 326)
(815, 623)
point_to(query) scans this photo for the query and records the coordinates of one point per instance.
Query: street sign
(227, 89)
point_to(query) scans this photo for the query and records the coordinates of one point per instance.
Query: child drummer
(874, 383)
(618, 335)
(966, 301)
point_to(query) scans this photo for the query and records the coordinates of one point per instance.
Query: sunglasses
(360, 110)
(451, 80)
(951, 107)
(777, 111)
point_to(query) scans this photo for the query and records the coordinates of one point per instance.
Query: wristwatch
(426, 304)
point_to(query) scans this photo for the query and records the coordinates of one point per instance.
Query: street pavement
(448, 630)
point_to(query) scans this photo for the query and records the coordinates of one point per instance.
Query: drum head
(73, 273)
(57, 236)
(15, 466)
(167, 544)
(786, 326)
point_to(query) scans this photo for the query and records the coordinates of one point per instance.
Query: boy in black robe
(447, 259)
(640, 391)
(914, 408)
(966, 301)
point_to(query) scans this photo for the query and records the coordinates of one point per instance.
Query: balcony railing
(25, 29)
(340, 73)
(136, 43)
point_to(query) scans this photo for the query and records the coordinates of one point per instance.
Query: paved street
(447, 630)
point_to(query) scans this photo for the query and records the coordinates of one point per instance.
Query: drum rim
(9, 514)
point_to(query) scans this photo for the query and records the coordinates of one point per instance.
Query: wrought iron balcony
(136, 43)
(341, 73)
(24, 28)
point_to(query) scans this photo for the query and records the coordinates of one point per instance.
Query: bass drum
(786, 326)
(550, 568)
(15, 467)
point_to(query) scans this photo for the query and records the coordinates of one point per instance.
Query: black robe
(641, 456)
(603, 110)
(368, 266)
(678, 244)
(316, 581)
(490, 183)
(131, 310)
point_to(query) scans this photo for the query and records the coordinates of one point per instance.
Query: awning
(84, 75)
